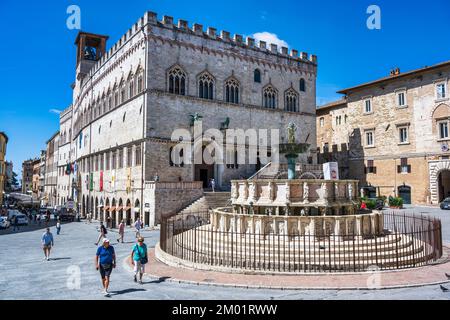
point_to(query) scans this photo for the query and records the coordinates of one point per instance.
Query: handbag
(142, 260)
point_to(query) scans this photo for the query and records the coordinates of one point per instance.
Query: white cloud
(270, 38)
(56, 111)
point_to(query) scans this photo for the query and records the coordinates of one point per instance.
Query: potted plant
(395, 202)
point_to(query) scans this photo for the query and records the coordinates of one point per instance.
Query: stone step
(304, 253)
(311, 266)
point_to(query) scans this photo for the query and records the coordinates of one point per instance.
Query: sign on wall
(330, 171)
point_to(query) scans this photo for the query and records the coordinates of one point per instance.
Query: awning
(112, 209)
(119, 208)
(106, 208)
(126, 208)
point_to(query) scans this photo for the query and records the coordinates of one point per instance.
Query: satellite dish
(444, 147)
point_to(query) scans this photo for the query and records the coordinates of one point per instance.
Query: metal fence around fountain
(407, 241)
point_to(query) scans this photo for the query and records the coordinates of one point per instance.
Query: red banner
(101, 180)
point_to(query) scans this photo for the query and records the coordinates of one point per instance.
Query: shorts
(139, 267)
(105, 272)
(47, 246)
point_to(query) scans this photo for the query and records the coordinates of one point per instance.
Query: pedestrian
(39, 219)
(121, 231)
(103, 233)
(58, 226)
(16, 223)
(139, 258)
(137, 227)
(213, 184)
(105, 261)
(47, 243)
(90, 217)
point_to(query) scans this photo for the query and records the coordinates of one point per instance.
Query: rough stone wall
(418, 115)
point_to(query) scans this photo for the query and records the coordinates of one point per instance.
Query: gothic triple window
(177, 81)
(269, 97)
(291, 100)
(206, 86)
(232, 91)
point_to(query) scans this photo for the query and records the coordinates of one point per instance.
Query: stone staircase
(303, 253)
(210, 200)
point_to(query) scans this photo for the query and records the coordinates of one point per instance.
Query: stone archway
(436, 168)
(308, 175)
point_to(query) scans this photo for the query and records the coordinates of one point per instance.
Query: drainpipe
(144, 108)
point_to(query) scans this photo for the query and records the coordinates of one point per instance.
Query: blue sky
(37, 56)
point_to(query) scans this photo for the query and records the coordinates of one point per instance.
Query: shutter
(399, 169)
(374, 169)
(365, 169)
(404, 161)
(409, 168)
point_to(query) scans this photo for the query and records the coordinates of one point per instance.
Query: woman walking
(121, 231)
(139, 258)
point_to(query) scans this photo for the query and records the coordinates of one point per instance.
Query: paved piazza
(24, 274)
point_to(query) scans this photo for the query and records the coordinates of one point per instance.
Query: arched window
(257, 76)
(131, 89)
(123, 92)
(269, 97)
(302, 85)
(140, 83)
(206, 86)
(177, 81)
(291, 100)
(232, 91)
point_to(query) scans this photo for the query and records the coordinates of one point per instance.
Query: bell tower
(90, 48)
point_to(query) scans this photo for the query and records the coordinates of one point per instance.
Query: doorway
(204, 177)
(444, 185)
(404, 192)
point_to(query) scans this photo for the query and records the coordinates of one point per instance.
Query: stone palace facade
(115, 138)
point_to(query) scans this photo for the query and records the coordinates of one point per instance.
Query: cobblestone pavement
(24, 274)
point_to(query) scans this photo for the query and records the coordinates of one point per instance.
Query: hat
(105, 240)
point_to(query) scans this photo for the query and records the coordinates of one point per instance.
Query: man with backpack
(103, 233)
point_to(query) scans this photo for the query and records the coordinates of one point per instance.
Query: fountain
(297, 225)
